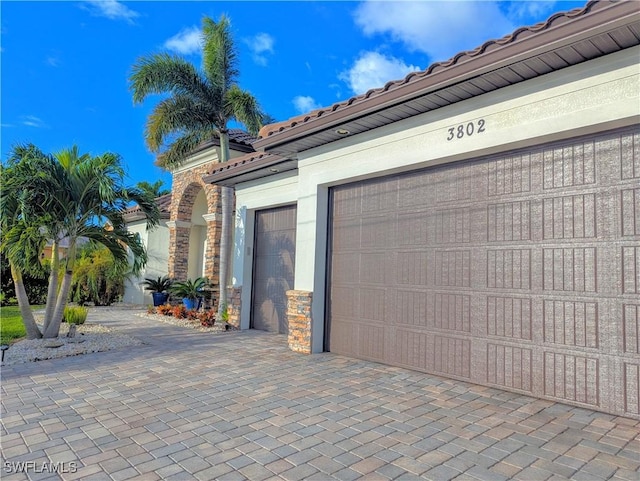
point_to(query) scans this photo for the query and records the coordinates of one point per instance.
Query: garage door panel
(413, 228)
(378, 231)
(630, 212)
(453, 268)
(631, 382)
(572, 377)
(411, 268)
(451, 311)
(433, 352)
(509, 317)
(508, 221)
(374, 268)
(519, 271)
(372, 304)
(629, 151)
(412, 308)
(510, 366)
(379, 196)
(345, 268)
(346, 234)
(509, 175)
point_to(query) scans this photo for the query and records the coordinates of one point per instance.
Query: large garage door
(274, 247)
(520, 271)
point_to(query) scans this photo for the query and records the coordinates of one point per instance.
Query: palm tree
(200, 105)
(154, 190)
(20, 214)
(74, 196)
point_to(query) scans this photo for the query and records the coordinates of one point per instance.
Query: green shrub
(36, 286)
(97, 277)
(75, 315)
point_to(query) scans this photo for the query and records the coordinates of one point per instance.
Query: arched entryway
(195, 233)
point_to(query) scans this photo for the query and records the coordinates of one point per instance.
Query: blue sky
(65, 64)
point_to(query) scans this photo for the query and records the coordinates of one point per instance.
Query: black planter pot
(159, 298)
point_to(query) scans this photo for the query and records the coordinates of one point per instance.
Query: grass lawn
(11, 326)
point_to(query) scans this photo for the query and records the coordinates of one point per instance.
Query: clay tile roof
(553, 21)
(239, 136)
(248, 162)
(164, 205)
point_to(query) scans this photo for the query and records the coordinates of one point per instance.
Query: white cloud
(111, 9)
(304, 104)
(186, 42)
(260, 45)
(373, 70)
(438, 28)
(530, 8)
(53, 61)
(32, 121)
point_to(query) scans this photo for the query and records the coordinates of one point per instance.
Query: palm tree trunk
(53, 329)
(33, 332)
(225, 235)
(53, 284)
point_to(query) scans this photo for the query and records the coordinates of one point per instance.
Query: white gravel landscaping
(89, 338)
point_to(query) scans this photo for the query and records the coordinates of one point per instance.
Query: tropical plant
(154, 190)
(75, 315)
(190, 289)
(179, 311)
(165, 309)
(66, 195)
(98, 277)
(200, 105)
(207, 318)
(160, 284)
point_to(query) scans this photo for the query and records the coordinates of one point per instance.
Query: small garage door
(273, 267)
(520, 271)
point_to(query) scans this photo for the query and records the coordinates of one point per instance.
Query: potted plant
(191, 291)
(159, 289)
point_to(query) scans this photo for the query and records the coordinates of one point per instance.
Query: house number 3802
(466, 130)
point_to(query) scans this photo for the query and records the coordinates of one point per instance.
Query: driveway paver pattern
(195, 406)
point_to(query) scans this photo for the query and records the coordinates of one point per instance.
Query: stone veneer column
(234, 306)
(178, 248)
(212, 254)
(299, 320)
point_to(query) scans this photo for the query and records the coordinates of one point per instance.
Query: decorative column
(299, 320)
(212, 253)
(235, 305)
(179, 231)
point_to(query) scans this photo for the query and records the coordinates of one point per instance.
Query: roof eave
(250, 168)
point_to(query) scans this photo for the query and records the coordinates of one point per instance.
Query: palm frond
(161, 73)
(219, 56)
(175, 114)
(180, 149)
(244, 107)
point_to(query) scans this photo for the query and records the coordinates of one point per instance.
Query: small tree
(66, 195)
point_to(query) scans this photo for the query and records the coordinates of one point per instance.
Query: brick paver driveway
(242, 406)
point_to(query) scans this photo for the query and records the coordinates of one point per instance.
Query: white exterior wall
(595, 96)
(157, 245)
